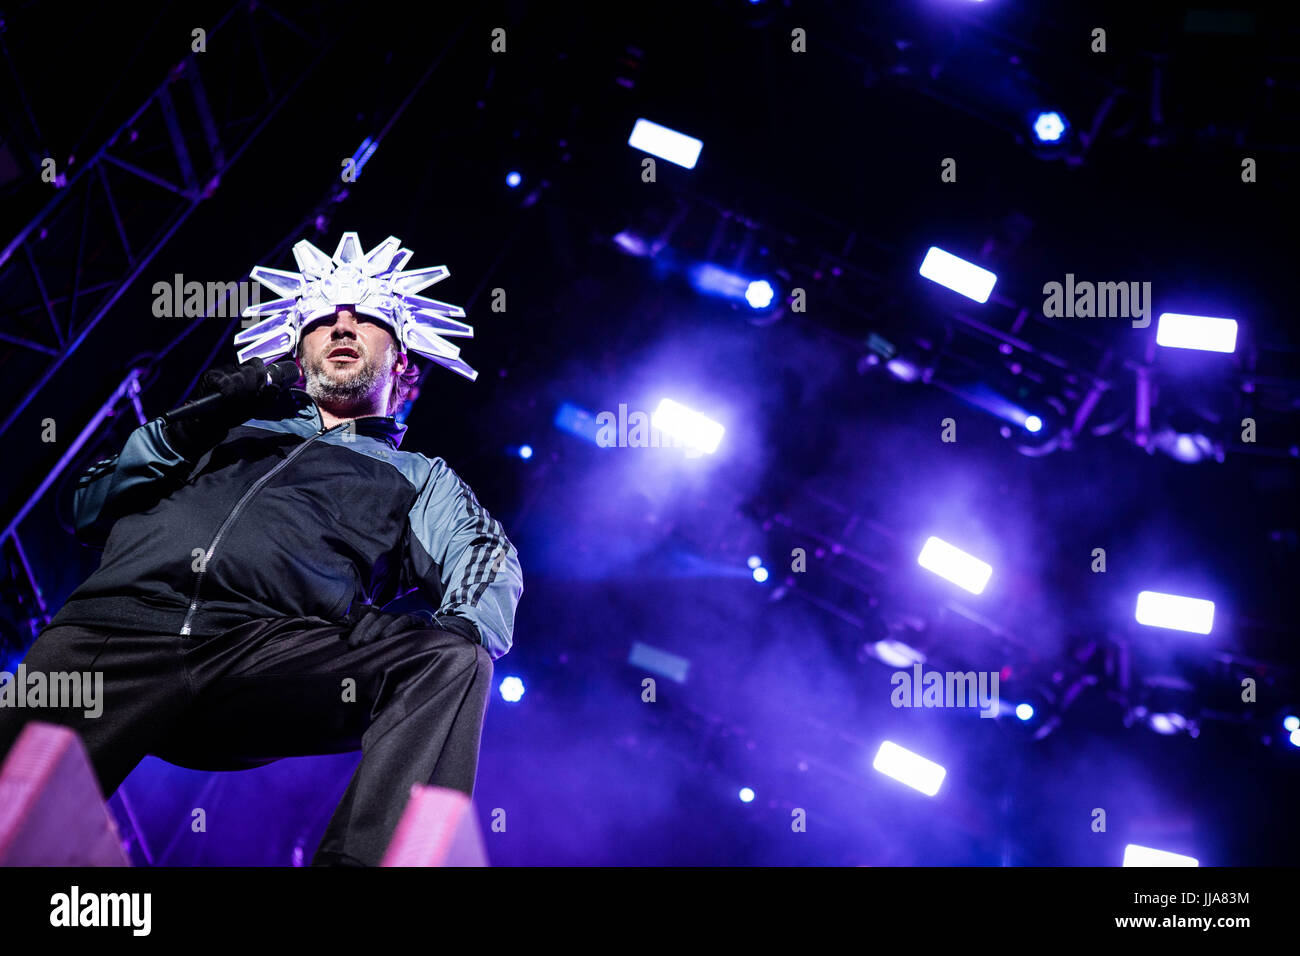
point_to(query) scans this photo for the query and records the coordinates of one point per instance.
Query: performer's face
(350, 361)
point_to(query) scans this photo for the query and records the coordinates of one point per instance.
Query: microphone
(279, 376)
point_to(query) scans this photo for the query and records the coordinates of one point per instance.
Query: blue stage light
(746, 795)
(950, 562)
(903, 369)
(525, 451)
(578, 421)
(631, 243)
(754, 561)
(1033, 423)
(1025, 711)
(1049, 127)
(1291, 723)
(1156, 609)
(760, 574)
(759, 294)
(657, 661)
(1186, 447)
(1167, 724)
(714, 280)
(665, 143)
(957, 274)
(1137, 855)
(512, 689)
(696, 431)
(363, 154)
(909, 768)
(513, 179)
(1202, 332)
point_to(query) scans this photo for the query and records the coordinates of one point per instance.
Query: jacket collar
(385, 428)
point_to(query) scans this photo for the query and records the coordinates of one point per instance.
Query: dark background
(820, 169)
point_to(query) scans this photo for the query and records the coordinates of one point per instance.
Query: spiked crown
(372, 284)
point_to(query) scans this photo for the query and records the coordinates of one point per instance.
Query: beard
(347, 384)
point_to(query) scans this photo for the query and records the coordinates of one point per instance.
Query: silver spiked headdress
(372, 284)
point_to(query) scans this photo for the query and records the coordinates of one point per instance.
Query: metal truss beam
(159, 165)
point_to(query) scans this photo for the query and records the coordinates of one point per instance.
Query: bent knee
(477, 660)
(460, 649)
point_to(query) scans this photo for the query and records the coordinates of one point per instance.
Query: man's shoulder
(437, 476)
(421, 468)
(426, 461)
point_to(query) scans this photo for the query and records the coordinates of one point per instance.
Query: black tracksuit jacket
(287, 518)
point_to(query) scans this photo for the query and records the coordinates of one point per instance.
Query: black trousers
(413, 705)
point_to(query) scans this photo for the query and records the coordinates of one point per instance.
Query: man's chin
(339, 375)
(328, 387)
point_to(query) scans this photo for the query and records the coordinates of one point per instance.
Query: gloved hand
(370, 624)
(245, 392)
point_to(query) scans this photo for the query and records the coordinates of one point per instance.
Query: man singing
(248, 551)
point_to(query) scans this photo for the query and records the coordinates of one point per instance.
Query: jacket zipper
(234, 512)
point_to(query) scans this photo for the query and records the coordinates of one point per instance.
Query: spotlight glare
(1295, 737)
(903, 369)
(1049, 126)
(695, 430)
(512, 689)
(754, 561)
(896, 653)
(746, 795)
(1291, 722)
(1033, 423)
(1184, 447)
(1025, 711)
(665, 143)
(1167, 723)
(957, 274)
(631, 243)
(955, 565)
(1175, 612)
(513, 179)
(909, 768)
(525, 451)
(759, 294)
(1202, 332)
(1135, 855)
(760, 574)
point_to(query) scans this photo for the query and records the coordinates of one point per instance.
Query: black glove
(370, 624)
(245, 392)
